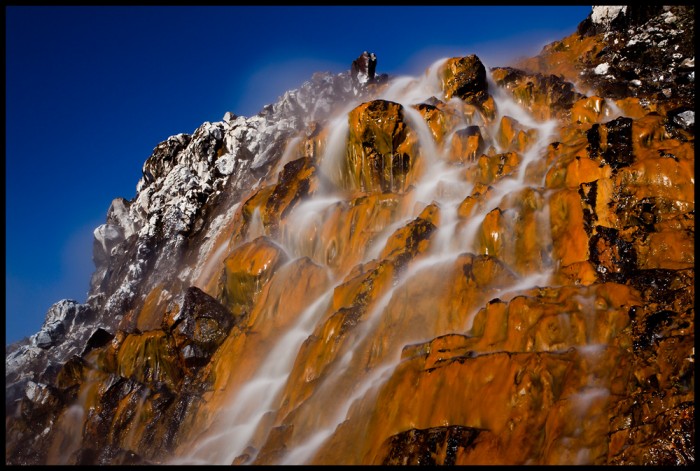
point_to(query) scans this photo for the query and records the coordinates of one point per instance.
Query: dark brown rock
(545, 95)
(429, 447)
(465, 78)
(200, 327)
(363, 69)
(612, 141)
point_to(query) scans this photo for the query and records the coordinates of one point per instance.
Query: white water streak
(334, 152)
(438, 173)
(305, 452)
(241, 419)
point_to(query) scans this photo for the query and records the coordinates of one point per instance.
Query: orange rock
(513, 136)
(578, 273)
(633, 108)
(517, 235)
(598, 200)
(342, 234)
(131, 416)
(151, 315)
(648, 131)
(568, 154)
(466, 145)
(673, 250)
(248, 223)
(268, 205)
(588, 110)
(584, 170)
(659, 177)
(440, 348)
(296, 181)
(466, 207)
(554, 319)
(431, 213)
(382, 151)
(440, 119)
(280, 304)
(492, 232)
(411, 239)
(352, 303)
(546, 96)
(246, 271)
(488, 109)
(287, 296)
(568, 233)
(150, 358)
(471, 394)
(564, 57)
(456, 285)
(449, 365)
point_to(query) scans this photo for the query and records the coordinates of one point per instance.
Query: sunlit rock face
(382, 154)
(468, 267)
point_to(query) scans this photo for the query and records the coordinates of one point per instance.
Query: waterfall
(239, 421)
(364, 359)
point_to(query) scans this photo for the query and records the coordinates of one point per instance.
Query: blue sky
(90, 91)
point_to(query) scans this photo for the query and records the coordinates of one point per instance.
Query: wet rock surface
(498, 272)
(200, 327)
(465, 78)
(382, 152)
(434, 446)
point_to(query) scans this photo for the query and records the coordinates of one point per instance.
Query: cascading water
(442, 184)
(229, 436)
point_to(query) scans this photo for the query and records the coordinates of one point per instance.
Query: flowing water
(353, 374)
(237, 423)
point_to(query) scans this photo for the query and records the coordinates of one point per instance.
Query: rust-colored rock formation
(500, 274)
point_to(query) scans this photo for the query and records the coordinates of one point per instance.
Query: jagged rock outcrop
(643, 51)
(363, 69)
(499, 270)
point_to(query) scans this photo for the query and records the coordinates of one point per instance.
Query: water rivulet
(473, 266)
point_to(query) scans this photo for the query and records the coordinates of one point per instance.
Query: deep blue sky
(90, 91)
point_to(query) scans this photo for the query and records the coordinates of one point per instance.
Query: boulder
(246, 272)
(200, 327)
(382, 152)
(467, 145)
(465, 78)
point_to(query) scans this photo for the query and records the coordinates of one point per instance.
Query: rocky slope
(469, 267)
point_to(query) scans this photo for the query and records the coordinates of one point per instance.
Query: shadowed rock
(200, 327)
(363, 69)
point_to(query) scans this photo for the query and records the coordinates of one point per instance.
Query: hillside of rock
(471, 266)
